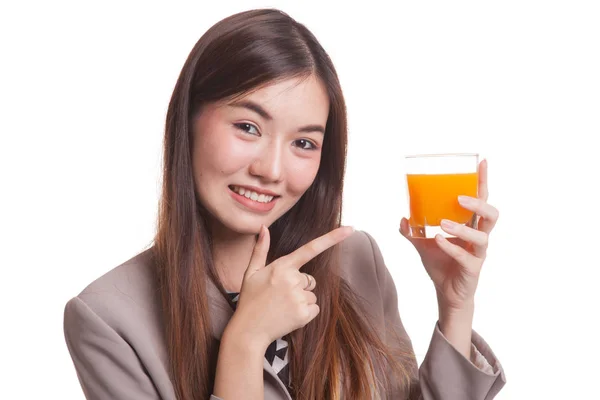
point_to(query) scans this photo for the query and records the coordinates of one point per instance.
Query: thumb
(409, 233)
(260, 252)
(404, 228)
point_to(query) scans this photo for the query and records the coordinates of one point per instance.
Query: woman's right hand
(274, 299)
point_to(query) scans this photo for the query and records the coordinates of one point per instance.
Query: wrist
(456, 324)
(235, 332)
(455, 310)
(462, 317)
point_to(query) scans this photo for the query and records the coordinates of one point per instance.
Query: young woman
(251, 288)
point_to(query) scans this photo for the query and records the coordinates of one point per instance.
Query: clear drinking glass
(434, 183)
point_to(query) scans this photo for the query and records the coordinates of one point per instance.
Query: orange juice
(435, 196)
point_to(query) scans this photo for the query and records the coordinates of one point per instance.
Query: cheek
(219, 152)
(302, 176)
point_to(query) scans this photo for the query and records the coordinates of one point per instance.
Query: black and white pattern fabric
(277, 352)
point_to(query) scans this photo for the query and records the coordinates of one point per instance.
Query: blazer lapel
(221, 312)
(269, 370)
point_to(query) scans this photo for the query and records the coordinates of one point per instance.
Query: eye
(248, 128)
(303, 143)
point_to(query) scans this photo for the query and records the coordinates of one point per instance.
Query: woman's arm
(240, 366)
(445, 374)
(107, 367)
(456, 325)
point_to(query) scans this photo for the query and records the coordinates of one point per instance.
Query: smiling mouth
(249, 194)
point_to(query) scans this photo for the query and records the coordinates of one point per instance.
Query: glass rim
(442, 155)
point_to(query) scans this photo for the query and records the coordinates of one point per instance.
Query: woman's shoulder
(360, 263)
(361, 249)
(114, 326)
(126, 293)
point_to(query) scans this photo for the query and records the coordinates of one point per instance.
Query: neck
(231, 255)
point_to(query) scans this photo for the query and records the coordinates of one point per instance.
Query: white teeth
(262, 198)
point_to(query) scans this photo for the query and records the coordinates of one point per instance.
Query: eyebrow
(257, 108)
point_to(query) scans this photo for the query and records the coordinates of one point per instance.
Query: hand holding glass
(434, 183)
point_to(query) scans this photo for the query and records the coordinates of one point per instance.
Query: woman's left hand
(454, 263)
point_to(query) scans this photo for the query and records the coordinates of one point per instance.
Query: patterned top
(277, 352)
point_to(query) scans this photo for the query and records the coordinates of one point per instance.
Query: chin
(244, 226)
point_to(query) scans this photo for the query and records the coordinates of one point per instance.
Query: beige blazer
(115, 336)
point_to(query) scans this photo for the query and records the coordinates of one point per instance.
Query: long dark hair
(239, 54)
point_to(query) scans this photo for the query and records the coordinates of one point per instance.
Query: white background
(84, 89)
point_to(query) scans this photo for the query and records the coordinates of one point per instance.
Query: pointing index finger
(316, 246)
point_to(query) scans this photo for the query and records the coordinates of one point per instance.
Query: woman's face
(267, 143)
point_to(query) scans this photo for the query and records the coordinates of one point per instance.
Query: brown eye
(248, 128)
(302, 143)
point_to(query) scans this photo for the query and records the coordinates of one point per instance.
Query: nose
(267, 164)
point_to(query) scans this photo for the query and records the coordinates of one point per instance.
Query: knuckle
(281, 261)
(304, 313)
(290, 279)
(298, 297)
(311, 247)
(485, 240)
(278, 276)
(495, 214)
(273, 279)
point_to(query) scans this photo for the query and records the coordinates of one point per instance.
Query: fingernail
(351, 228)
(261, 233)
(465, 200)
(446, 223)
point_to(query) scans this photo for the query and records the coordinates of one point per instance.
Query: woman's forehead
(294, 96)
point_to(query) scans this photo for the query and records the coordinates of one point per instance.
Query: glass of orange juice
(434, 183)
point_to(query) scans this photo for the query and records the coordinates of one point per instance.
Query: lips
(255, 189)
(253, 205)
